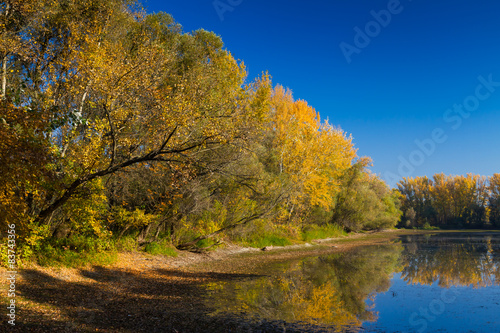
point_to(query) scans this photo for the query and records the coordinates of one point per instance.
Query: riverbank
(141, 292)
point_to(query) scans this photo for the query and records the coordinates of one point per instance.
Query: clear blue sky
(405, 72)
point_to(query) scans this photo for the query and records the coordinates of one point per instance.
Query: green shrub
(4, 252)
(126, 244)
(427, 226)
(322, 232)
(76, 251)
(55, 257)
(209, 242)
(161, 247)
(260, 241)
(263, 233)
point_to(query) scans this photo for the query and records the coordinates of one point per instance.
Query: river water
(443, 282)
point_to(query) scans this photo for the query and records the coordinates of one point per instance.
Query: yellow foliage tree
(312, 153)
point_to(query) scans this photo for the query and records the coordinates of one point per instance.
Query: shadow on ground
(116, 300)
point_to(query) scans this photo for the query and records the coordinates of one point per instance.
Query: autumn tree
(311, 154)
(121, 89)
(494, 200)
(447, 201)
(24, 146)
(417, 204)
(365, 201)
(225, 188)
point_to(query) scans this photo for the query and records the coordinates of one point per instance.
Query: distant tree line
(469, 201)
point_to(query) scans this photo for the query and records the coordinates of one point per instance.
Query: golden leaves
(447, 199)
(24, 154)
(314, 154)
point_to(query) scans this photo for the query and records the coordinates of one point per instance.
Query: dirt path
(144, 293)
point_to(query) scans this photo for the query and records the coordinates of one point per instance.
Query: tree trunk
(4, 76)
(71, 189)
(143, 235)
(191, 245)
(4, 59)
(124, 230)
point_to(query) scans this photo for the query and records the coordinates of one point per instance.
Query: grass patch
(81, 251)
(260, 236)
(161, 247)
(76, 259)
(208, 243)
(76, 251)
(262, 233)
(260, 241)
(56, 257)
(322, 232)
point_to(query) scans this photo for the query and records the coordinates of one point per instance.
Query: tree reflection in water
(337, 290)
(452, 260)
(330, 290)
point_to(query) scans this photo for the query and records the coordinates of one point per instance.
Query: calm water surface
(447, 282)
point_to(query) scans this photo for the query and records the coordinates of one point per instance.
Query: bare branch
(113, 136)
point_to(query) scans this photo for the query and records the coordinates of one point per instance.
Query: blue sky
(418, 88)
